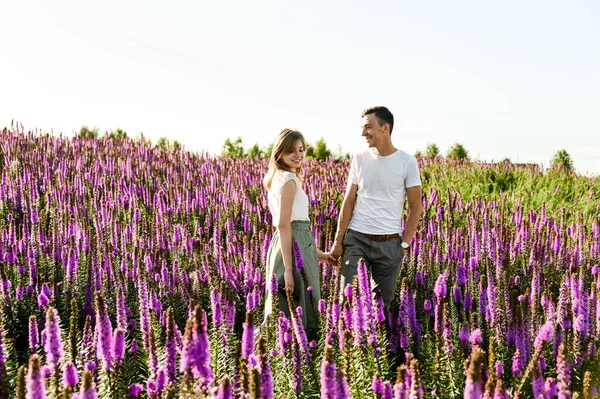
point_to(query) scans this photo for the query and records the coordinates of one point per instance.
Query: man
(370, 221)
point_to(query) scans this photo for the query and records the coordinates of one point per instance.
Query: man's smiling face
(372, 131)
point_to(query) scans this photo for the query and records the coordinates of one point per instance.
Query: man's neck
(385, 150)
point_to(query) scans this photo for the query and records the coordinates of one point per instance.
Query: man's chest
(387, 177)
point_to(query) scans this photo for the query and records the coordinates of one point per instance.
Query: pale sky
(508, 79)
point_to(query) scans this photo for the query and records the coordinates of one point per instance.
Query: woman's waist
(300, 225)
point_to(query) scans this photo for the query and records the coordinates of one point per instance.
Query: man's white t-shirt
(300, 204)
(382, 182)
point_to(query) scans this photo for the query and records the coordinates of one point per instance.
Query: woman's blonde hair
(285, 144)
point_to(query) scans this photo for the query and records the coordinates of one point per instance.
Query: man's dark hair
(382, 114)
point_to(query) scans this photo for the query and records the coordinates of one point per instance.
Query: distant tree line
(561, 161)
(86, 133)
(318, 150)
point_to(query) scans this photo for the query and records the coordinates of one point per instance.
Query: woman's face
(294, 159)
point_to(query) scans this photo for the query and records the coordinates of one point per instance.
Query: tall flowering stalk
(248, 336)
(195, 355)
(264, 368)
(53, 345)
(171, 348)
(563, 369)
(4, 383)
(474, 383)
(88, 388)
(33, 333)
(329, 383)
(104, 332)
(36, 386)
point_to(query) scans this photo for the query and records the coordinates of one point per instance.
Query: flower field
(133, 270)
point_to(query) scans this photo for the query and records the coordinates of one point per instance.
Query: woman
(293, 244)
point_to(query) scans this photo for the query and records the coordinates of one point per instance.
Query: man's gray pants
(383, 258)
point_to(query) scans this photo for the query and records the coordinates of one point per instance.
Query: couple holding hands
(369, 225)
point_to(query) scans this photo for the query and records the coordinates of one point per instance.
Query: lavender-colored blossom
(104, 332)
(440, 288)
(563, 371)
(135, 390)
(248, 336)
(461, 276)
(464, 334)
(118, 346)
(457, 294)
(70, 377)
(517, 364)
(195, 355)
(475, 337)
(500, 391)
(33, 333)
(171, 348)
(538, 386)
(468, 303)
(328, 375)
(499, 369)
(225, 389)
(474, 381)
(348, 291)
(550, 387)
(36, 387)
(161, 380)
(151, 390)
(343, 390)
(322, 306)
(43, 300)
(53, 345)
(427, 305)
(283, 326)
(377, 384)
(545, 335)
(298, 260)
(134, 346)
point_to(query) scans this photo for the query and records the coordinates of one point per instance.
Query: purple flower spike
(70, 377)
(42, 300)
(464, 334)
(33, 333)
(118, 346)
(328, 375)
(427, 305)
(298, 260)
(440, 288)
(322, 305)
(499, 369)
(476, 337)
(377, 384)
(248, 336)
(36, 387)
(104, 332)
(545, 335)
(134, 346)
(135, 390)
(348, 291)
(53, 346)
(225, 389)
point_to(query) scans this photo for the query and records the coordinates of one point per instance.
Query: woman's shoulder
(280, 178)
(284, 176)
